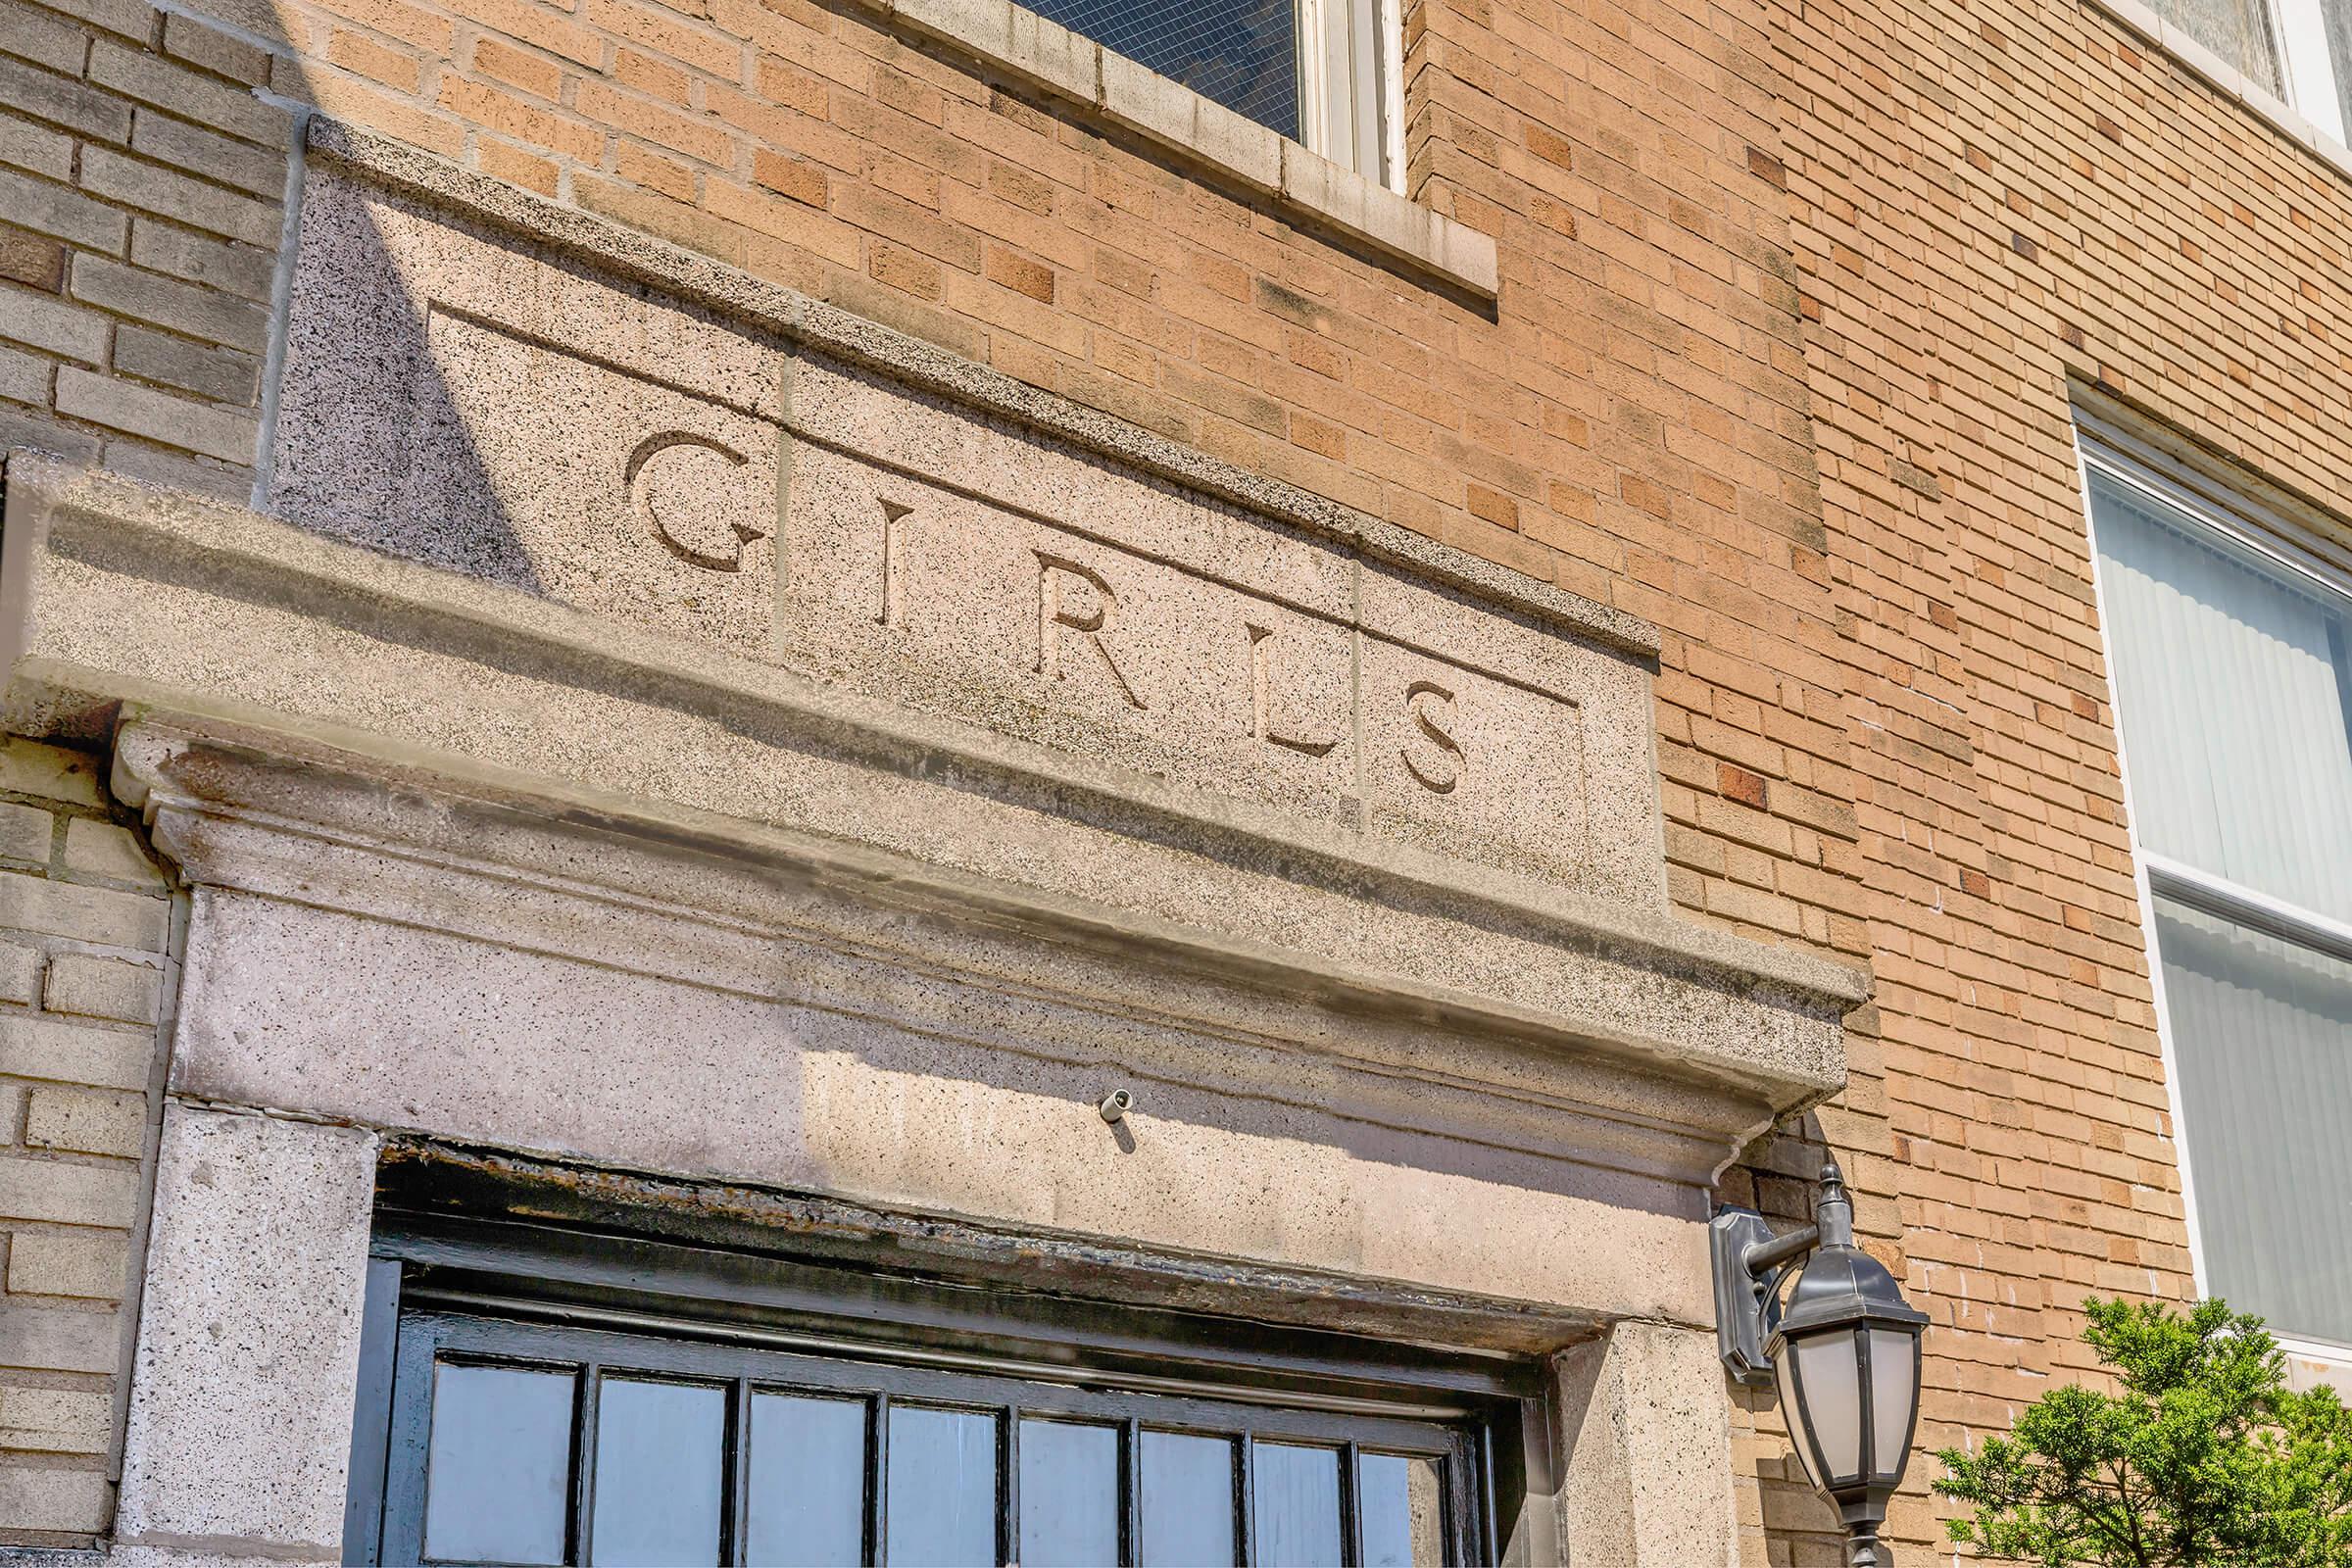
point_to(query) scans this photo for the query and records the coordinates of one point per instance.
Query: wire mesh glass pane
(2238, 30)
(1242, 53)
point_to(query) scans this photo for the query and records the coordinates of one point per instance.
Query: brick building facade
(1742, 347)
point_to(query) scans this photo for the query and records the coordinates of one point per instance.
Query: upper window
(2298, 50)
(1323, 73)
(2232, 654)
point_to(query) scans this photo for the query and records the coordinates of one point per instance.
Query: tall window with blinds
(2232, 655)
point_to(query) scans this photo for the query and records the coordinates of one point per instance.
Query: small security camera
(1116, 1104)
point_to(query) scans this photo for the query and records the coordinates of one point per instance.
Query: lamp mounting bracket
(1749, 1261)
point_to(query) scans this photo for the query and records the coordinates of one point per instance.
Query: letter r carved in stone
(1075, 598)
(663, 462)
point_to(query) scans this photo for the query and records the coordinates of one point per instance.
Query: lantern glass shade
(1784, 1368)
(1894, 1395)
(1829, 1385)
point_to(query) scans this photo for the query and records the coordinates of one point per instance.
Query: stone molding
(623, 252)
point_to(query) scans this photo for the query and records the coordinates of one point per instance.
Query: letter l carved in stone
(1264, 679)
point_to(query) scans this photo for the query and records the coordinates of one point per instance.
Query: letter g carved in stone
(688, 524)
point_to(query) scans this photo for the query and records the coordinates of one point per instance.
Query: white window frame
(2243, 526)
(2305, 69)
(1352, 85)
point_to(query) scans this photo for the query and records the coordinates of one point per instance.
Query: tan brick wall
(1992, 200)
(141, 202)
(1789, 298)
(85, 924)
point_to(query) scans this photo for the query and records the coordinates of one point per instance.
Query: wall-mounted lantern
(1843, 1346)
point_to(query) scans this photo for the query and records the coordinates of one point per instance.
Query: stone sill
(1208, 135)
(2230, 82)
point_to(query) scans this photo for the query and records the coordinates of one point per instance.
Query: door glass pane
(1297, 1496)
(1403, 1506)
(499, 1473)
(661, 1449)
(2262, 1036)
(942, 1488)
(1188, 1501)
(808, 1483)
(1069, 1495)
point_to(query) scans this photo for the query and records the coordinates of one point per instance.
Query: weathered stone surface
(255, 1276)
(468, 403)
(472, 407)
(1645, 1449)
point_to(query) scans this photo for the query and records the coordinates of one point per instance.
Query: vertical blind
(2231, 673)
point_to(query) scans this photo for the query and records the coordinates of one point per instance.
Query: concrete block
(42, 38)
(218, 375)
(216, 51)
(53, 325)
(88, 1121)
(28, 767)
(1147, 101)
(1238, 144)
(245, 270)
(59, 1338)
(25, 832)
(187, 308)
(109, 849)
(1067, 62)
(38, 1497)
(66, 1192)
(20, 973)
(178, 197)
(261, 170)
(106, 916)
(82, 986)
(981, 26)
(92, 1265)
(75, 1054)
(1645, 1437)
(31, 146)
(30, 90)
(55, 1420)
(54, 210)
(248, 1333)
(214, 432)
(169, 84)
(23, 378)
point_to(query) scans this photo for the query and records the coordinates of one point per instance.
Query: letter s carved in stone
(1440, 773)
(711, 546)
